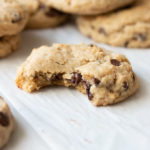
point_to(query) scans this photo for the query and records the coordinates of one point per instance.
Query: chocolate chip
(102, 31)
(126, 43)
(125, 85)
(16, 18)
(56, 77)
(115, 62)
(133, 77)
(96, 81)
(1, 38)
(91, 45)
(90, 96)
(53, 12)
(88, 86)
(140, 37)
(76, 78)
(42, 6)
(4, 120)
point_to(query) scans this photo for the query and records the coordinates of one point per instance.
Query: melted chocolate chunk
(1, 38)
(4, 120)
(88, 86)
(126, 43)
(53, 12)
(96, 81)
(115, 62)
(102, 31)
(56, 77)
(17, 18)
(140, 37)
(125, 85)
(76, 78)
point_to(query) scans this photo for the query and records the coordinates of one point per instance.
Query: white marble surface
(64, 118)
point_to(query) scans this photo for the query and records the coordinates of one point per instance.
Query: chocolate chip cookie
(42, 15)
(9, 44)
(88, 7)
(13, 17)
(6, 123)
(106, 77)
(128, 27)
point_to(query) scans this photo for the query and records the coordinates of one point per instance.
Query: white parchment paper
(65, 118)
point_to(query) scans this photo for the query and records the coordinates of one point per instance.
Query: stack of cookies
(18, 14)
(13, 18)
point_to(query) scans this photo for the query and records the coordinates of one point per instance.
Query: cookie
(46, 17)
(106, 77)
(88, 7)
(43, 15)
(13, 18)
(128, 27)
(8, 44)
(6, 123)
(29, 5)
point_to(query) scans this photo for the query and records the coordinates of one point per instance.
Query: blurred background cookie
(9, 44)
(6, 123)
(127, 27)
(42, 15)
(88, 7)
(13, 18)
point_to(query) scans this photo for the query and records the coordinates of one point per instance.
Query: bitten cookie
(106, 77)
(43, 15)
(13, 17)
(6, 123)
(88, 7)
(9, 44)
(128, 27)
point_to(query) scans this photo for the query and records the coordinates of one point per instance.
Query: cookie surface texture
(9, 44)
(88, 7)
(13, 18)
(128, 27)
(42, 15)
